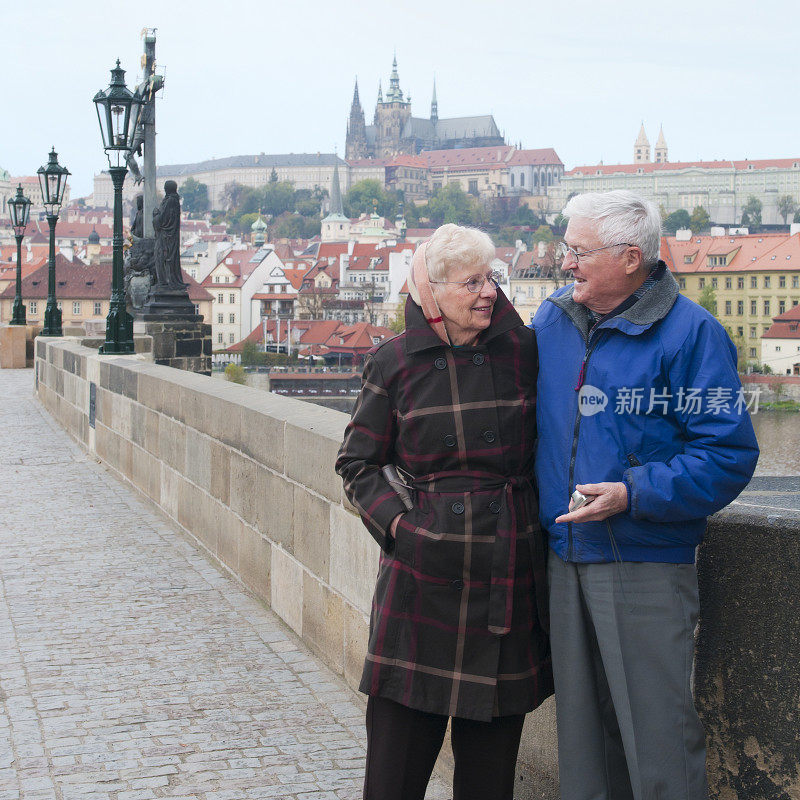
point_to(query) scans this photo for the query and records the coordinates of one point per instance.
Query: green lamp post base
(119, 331)
(18, 312)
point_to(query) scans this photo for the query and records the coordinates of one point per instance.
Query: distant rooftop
(263, 161)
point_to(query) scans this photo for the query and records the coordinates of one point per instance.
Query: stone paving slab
(132, 668)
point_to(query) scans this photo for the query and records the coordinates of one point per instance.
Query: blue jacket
(661, 409)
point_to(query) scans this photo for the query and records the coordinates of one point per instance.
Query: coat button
(478, 359)
(494, 506)
(440, 363)
(457, 584)
(450, 440)
(457, 508)
(489, 436)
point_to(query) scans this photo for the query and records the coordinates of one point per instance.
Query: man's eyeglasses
(564, 250)
(475, 285)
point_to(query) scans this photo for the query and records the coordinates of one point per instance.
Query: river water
(778, 434)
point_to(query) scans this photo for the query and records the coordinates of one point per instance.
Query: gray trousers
(623, 647)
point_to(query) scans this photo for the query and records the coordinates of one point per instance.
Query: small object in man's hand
(578, 500)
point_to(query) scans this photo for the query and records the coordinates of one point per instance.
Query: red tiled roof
(358, 337)
(756, 251)
(610, 169)
(408, 161)
(546, 156)
(319, 331)
(368, 162)
(785, 326)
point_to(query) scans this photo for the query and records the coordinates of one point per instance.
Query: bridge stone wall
(250, 476)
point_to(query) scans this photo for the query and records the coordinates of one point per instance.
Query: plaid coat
(458, 623)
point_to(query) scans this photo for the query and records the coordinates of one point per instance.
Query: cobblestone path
(131, 668)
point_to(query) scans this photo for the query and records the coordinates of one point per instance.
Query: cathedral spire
(641, 148)
(336, 194)
(661, 152)
(434, 105)
(395, 94)
(356, 140)
(380, 92)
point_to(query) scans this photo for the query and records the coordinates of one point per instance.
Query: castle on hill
(394, 131)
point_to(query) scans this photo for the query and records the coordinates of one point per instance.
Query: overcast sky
(242, 77)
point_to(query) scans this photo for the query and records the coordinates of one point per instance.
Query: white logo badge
(591, 400)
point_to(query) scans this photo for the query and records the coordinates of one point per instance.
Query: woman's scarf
(430, 308)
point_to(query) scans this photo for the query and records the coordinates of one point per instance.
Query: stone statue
(167, 227)
(137, 226)
(138, 273)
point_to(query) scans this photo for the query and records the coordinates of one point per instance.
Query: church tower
(356, 141)
(391, 117)
(661, 148)
(641, 149)
(434, 106)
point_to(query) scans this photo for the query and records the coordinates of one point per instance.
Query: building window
(752, 352)
(220, 297)
(752, 331)
(729, 283)
(682, 283)
(702, 283)
(219, 338)
(98, 309)
(196, 309)
(777, 348)
(522, 179)
(473, 186)
(740, 331)
(740, 307)
(512, 180)
(217, 279)
(782, 281)
(231, 338)
(781, 306)
(232, 318)
(753, 307)
(232, 299)
(728, 307)
(767, 281)
(766, 308)
(753, 282)
(740, 283)
(32, 307)
(714, 283)
(795, 281)
(220, 318)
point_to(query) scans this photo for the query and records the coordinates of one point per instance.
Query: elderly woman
(458, 624)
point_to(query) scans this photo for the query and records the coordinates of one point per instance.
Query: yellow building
(754, 278)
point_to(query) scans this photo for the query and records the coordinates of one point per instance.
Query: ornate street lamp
(20, 209)
(118, 111)
(53, 183)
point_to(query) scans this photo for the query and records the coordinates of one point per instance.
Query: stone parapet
(250, 476)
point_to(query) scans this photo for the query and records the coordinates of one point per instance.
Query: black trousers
(402, 746)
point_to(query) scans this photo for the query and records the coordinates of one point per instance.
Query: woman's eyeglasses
(475, 285)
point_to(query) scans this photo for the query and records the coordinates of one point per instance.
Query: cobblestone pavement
(131, 668)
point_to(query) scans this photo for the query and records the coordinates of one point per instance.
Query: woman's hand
(393, 526)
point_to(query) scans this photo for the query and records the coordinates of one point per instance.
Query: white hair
(621, 217)
(453, 246)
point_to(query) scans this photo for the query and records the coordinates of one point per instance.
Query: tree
(194, 196)
(251, 355)
(232, 195)
(277, 197)
(362, 197)
(786, 206)
(796, 217)
(708, 300)
(543, 234)
(273, 176)
(751, 213)
(235, 374)
(676, 221)
(452, 204)
(699, 220)
(398, 322)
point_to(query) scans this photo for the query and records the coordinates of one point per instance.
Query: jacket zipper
(575, 431)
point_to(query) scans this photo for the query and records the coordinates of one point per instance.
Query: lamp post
(20, 209)
(53, 183)
(118, 111)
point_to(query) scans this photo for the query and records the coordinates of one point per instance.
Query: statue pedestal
(182, 344)
(169, 304)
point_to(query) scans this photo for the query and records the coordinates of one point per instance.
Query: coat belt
(504, 553)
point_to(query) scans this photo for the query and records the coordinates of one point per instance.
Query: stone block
(188, 347)
(170, 490)
(228, 534)
(323, 620)
(138, 430)
(356, 638)
(121, 415)
(311, 531)
(286, 589)
(243, 487)
(220, 468)
(146, 473)
(261, 437)
(198, 459)
(223, 419)
(151, 431)
(323, 440)
(13, 340)
(274, 507)
(104, 407)
(254, 561)
(151, 390)
(172, 442)
(354, 557)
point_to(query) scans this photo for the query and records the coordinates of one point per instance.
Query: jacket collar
(420, 336)
(652, 307)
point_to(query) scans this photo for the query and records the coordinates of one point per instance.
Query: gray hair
(454, 246)
(621, 216)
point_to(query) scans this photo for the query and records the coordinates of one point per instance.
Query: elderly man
(640, 409)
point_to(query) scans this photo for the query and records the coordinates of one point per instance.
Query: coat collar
(652, 307)
(420, 336)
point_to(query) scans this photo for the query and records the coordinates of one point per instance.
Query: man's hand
(609, 499)
(393, 526)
